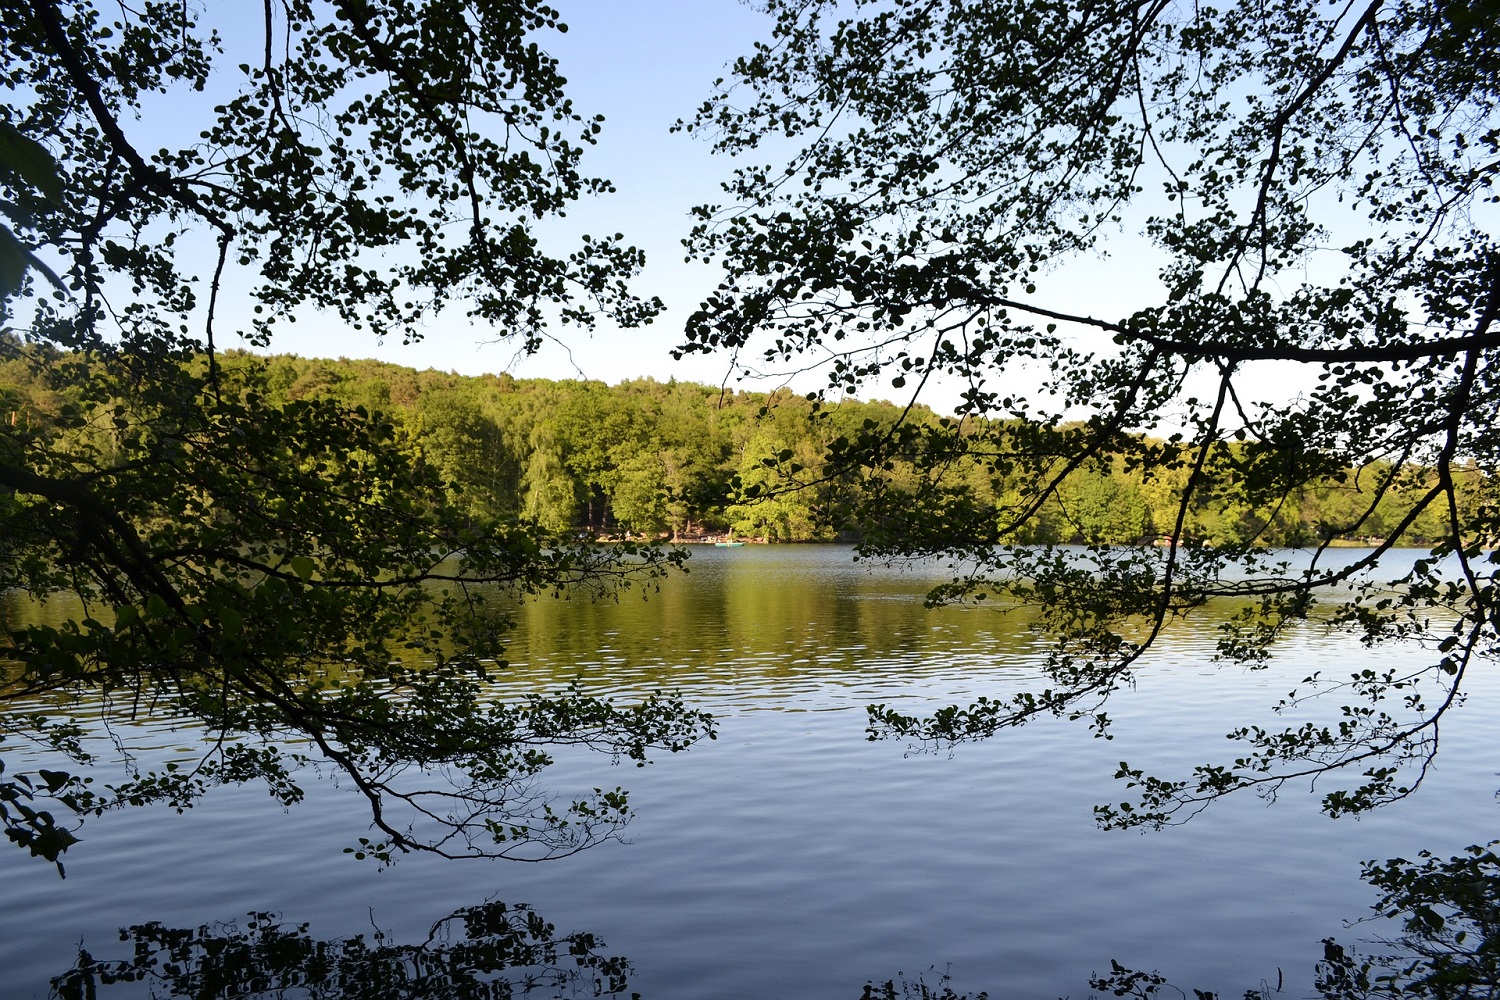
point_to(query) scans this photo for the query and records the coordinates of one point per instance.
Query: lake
(792, 857)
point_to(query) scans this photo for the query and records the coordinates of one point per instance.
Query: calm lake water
(791, 857)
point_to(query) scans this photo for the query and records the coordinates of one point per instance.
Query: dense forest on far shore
(687, 461)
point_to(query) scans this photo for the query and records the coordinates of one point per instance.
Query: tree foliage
(281, 567)
(1450, 929)
(1316, 186)
(687, 460)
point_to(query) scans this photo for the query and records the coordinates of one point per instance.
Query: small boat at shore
(729, 544)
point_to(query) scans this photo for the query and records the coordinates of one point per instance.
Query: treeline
(684, 460)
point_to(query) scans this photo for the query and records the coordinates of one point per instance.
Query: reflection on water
(486, 952)
(752, 626)
(767, 627)
(1449, 945)
(772, 627)
(792, 858)
(1449, 949)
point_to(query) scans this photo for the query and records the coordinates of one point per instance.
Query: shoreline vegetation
(696, 464)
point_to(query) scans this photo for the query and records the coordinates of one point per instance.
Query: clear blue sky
(642, 66)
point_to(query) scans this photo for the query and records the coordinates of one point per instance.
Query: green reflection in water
(803, 628)
(760, 614)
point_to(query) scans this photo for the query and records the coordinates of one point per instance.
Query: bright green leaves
(303, 567)
(336, 598)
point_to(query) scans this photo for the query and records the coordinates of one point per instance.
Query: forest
(306, 567)
(687, 462)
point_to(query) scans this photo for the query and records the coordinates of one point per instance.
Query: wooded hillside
(653, 458)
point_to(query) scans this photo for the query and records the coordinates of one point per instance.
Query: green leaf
(231, 621)
(29, 160)
(15, 259)
(302, 566)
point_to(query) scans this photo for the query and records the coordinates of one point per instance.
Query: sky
(642, 66)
